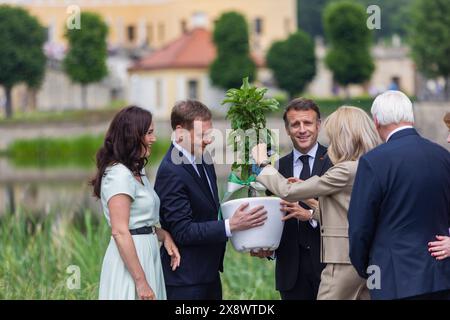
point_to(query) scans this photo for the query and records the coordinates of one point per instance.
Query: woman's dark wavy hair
(123, 143)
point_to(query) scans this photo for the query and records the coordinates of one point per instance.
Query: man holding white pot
(298, 267)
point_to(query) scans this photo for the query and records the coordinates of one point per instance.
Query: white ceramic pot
(265, 237)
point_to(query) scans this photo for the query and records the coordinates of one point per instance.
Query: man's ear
(179, 130)
(377, 124)
(286, 127)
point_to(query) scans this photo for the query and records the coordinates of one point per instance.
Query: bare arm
(169, 244)
(119, 209)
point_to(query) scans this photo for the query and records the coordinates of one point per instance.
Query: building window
(48, 34)
(199, 20)
(158, 93)
(149, 34)
(131, 33)
(192, 89)
(258, 26)
(161, 32)
(184, 28)
(287, 25)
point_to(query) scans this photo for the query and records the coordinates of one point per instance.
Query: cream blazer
(333, 190)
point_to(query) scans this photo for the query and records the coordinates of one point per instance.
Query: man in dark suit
(400, 201)
(186, 184)
(298, 267)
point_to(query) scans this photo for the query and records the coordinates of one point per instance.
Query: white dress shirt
(298, 166)
(191, 159)
(397, 130)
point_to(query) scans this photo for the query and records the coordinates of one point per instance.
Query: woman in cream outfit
(132, 265)
(351, 134)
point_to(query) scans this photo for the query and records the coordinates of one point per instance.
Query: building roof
(193, 50)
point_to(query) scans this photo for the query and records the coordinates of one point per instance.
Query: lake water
(60, 190)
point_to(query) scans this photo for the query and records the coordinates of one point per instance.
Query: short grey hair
(392, 107)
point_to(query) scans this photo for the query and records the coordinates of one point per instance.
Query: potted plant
(247, 113)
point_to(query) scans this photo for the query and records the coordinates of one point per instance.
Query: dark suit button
(308, 247)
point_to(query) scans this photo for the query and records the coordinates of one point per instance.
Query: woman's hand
(440, 249)
(144, 291)
(294, 210)
(172, 250)
(294, 180)
(259, 153)
(312, 203)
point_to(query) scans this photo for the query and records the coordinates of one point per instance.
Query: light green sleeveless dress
(116, 282)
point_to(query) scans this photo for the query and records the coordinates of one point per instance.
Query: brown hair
(185, 112)
(301, 104)
(123, 143)
(447, 119)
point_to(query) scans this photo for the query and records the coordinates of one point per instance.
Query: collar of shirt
(397, 130)
(311, 153)
(186, 153)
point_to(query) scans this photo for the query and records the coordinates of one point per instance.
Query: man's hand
(243, 220)
(294, 210)
(312, 203)
(262, 253)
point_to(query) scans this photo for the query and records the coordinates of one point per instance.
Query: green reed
(35, 253)
(64, 152)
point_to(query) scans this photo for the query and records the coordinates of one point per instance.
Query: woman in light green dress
(132, 266)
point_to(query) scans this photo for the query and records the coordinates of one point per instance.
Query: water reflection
(41, 191)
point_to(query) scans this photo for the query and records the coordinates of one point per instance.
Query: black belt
(143, 230)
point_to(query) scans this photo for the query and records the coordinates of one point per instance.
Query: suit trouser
(308, 279)
(439, 295)
(207, 291)
(340, 281)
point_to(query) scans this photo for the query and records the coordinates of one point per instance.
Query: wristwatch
(264, 163)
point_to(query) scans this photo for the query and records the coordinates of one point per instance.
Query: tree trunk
(33, 99)
(347, 94)
(84, 96)
(447, 89)
(10, 198)
(8, 105)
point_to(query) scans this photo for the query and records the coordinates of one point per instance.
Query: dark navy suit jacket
(400, 201)
(288, 252)
(190, 215)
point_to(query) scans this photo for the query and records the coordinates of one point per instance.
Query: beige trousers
(340, 281)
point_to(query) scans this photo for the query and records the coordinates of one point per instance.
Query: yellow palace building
(154, 23)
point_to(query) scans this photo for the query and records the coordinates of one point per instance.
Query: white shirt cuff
(227, 228)
(313, 222)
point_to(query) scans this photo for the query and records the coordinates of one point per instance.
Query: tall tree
(233, 61)
(430, 39)
(348, 56)
(309, 16)
(393, 16)
(293, 62)
(22, 58)
(85, 61)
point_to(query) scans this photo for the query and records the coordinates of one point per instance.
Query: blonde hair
(447, 119)
(351, 133)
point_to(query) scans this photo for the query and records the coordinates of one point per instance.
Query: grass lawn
(35, 255)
